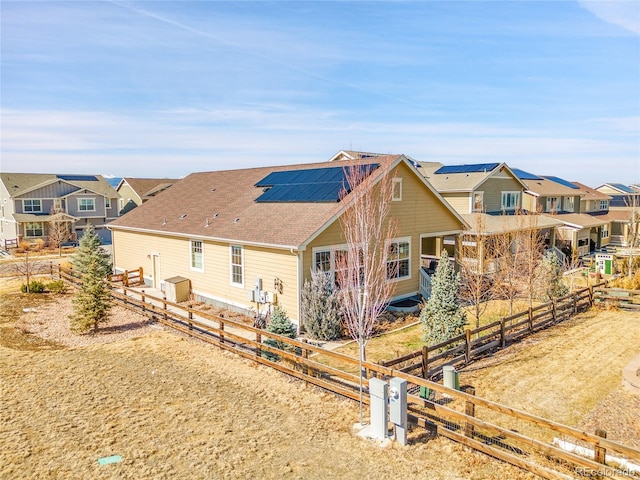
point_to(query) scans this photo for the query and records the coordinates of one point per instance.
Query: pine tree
(320, 307)
(92, 302)
(281, 325)
(550, 279)
(442, 318)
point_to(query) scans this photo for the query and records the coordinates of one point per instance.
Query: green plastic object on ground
(108, 460)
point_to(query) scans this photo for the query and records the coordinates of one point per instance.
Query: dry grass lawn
(177, 408)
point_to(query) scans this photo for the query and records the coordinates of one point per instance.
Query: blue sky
(164, 88)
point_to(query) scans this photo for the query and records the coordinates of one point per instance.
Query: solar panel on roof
(78, 178)
(308, 185)
(562, 182)
(622, 187)
(475, 168)
(522, 175)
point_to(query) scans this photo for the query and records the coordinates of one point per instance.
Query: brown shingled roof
(221, 205)
(589, 193)
(544, 187)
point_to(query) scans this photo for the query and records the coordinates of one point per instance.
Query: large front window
(237, 269)
(478, 201)
(553, 205)
(399, 260)
(32, 206)
(510, 200)
(34, 229)
(568, 204)
(197, 254)
(86, 204)
(603, 204)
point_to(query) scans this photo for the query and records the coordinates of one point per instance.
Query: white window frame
(473, 202)
(33, 231)
(569, 204)
(399, 241)
(195, 255)
(396, 190)
(553, 204)
(510, 194)
(107, 202)
(603, 204)
(233, 265)
(81, 200)
(604, 232)
(33, 202)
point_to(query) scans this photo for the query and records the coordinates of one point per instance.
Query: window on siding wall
(34, 229)
(399, 260)
(32, 205)
(237, 267)
(197, 255)
(107, 202)
(86, 204)
(478, 201)
(603, 204)
(397, 190)
(510, 200)
(604, 233)
(568, 204)
(553, 205)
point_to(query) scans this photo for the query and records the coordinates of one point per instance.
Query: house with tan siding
(248, 239)
(134, 191)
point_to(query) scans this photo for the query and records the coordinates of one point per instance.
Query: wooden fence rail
(479, 423)
(465, 347)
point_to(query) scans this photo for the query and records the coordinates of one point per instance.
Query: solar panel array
(562, 182)
(522, 175)
(78, 178)
(622, 187)
(312, 185)
(475, 168)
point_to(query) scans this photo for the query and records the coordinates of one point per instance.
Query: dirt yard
(173, 407)
(570, 373)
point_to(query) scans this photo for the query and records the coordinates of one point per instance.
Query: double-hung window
(399, 259)
(34, 229)
(397, 190)
(197, 255)
(553, 204)
(568, 204)
(603, 204)
(32, 205)
(478, 201)
(86, 204)
(237, 266)
(510, 200)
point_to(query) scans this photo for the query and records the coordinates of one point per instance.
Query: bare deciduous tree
(58, 229)
(633, 229)
(476, 266)
(371, 259)
(29, 264)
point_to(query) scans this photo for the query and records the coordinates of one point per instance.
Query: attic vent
(236, 220)
(213, 189)
(215, 215)
(164, 222)
(182, 216)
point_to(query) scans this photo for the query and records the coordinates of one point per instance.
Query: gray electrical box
(398, 408)
(177, 289)
(379, 397)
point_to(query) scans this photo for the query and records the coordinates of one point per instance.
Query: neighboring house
(135, 191)
(31, 201)
(240, 236)
(575, 206)
(622, 196)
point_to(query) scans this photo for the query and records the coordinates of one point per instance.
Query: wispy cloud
(623, 13)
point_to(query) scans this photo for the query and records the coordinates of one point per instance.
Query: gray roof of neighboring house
(222, 205)
(543, 187)
(147, 187)
(19, 184)
(589, 193)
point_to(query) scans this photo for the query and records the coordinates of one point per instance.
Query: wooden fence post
(467, 345)
(530, 320)
(591, 295)
(221, 331)
(305, 355)
(553, 311)
(503, 336)
(164, 307)
(575, 304)
(124, 293)
(125, 278)
(600, 452)
(258, 341)
(190, 318)
(144, 305)
(470, 410)
(425, 361)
